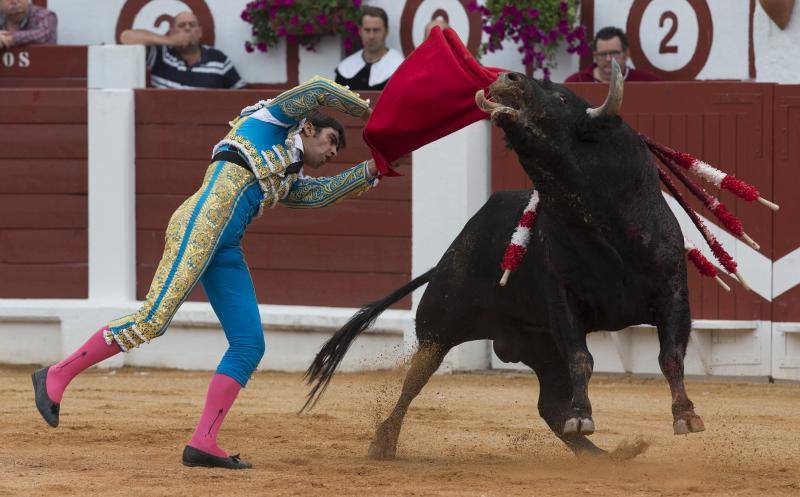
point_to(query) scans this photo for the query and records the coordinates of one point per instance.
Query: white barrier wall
(450, 183)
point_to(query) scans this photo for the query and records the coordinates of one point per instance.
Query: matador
(257, 165)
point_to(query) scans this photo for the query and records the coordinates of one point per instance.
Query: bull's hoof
(691, 424)
(578, 426)
(380, 451)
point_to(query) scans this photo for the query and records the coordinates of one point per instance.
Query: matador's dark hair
(320, 121)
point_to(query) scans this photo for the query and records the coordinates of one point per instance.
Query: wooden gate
(43, 204)
(786, 250)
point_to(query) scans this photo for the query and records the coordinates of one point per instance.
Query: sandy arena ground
(122, 433)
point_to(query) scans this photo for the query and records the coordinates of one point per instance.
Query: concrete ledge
(43, 331)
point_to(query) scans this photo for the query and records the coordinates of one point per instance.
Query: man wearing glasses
(610, 43)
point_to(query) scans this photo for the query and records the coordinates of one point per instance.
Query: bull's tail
(321, 371)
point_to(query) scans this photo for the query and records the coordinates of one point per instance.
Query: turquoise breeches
(203, 245)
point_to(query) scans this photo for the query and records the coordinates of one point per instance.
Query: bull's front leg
(674, 326)
(570, 337)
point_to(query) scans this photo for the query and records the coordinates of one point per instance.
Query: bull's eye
(563, 98)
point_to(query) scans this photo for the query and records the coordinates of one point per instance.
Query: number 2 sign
(670, 38)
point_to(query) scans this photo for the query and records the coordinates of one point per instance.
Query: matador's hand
(366, 114)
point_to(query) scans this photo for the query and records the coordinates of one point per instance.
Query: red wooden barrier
(786, 307)
(43, 204)
(343, 255)
(729, 125)
(44, 66)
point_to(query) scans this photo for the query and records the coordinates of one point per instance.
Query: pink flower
(261, 46)
(562, 6)
(295, 19)
(357, 4)
(248, 47)
(348, 44)
(308, 28)
(322, 19)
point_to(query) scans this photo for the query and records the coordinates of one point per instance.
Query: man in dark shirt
(370, 67)
(178, 60)
(610, 43)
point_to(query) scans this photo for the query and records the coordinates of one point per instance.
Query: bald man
(178, 60)
(439, 21)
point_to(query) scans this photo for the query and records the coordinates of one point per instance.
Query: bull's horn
(613, 102)
(494, 108)
(484, 104)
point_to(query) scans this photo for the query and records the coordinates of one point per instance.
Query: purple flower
(261, 46)
(308, 28)
(357, 4)
(295, 19)
(348, 44)
(282, 31)
(245, 16)
(510, 11)
(248, 47)
(533, 13)
(562, 6)
(322, 19)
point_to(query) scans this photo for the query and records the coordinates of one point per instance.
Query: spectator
(370, 67)
(178, 60)
(608, 43)
(22, 23)
(439, 21)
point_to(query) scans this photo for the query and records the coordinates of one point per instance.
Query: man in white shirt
(370, 67)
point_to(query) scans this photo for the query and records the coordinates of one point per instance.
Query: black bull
(605, 253)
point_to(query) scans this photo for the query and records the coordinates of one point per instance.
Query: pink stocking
(222, 392)
(90, 353)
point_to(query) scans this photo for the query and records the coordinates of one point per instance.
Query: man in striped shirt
(22, 23)
(178, 60)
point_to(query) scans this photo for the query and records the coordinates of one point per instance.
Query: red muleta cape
(431, 95)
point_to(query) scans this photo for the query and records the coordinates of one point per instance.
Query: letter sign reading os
(670, 38)
(18, 59)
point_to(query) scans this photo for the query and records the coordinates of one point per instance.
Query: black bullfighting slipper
(194, 457)
(47, 408)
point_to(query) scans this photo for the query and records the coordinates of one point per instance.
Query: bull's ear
(597, 128)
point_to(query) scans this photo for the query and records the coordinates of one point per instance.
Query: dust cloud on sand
(122, 433)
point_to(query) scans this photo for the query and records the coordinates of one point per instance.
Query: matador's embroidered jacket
(264, 135)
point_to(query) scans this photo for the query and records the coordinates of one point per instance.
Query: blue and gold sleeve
(297, 103)
(314, 193)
